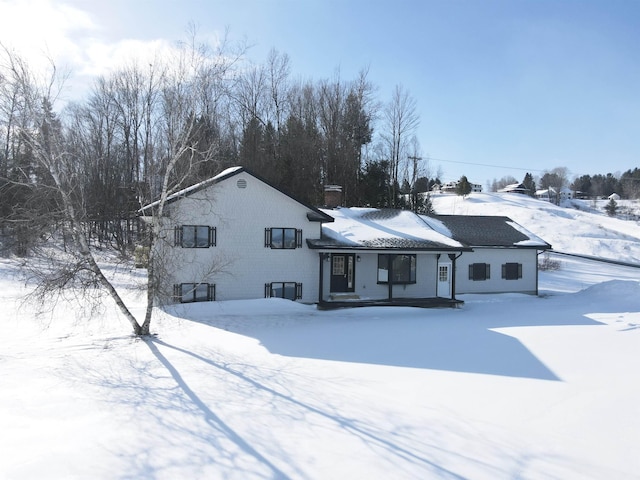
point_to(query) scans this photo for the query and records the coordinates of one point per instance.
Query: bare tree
(44, 134)
(400, 123)
(179, 109)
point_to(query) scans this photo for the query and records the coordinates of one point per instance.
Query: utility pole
(413, 194)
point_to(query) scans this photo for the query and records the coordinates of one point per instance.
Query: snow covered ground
(508, 386)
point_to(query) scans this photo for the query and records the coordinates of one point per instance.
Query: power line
(487, 165)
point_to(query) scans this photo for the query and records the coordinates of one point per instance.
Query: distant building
(515, 188)
(452, 187)
(551, 194)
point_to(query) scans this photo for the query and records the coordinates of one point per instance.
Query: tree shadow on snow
(254, 384)
(462, 340)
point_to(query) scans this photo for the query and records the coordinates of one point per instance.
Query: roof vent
(241, 183)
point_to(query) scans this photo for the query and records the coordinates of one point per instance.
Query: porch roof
(374, 229)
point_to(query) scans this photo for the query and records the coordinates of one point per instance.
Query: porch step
(344, 296)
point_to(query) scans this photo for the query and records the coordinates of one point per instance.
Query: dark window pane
(188, 236)
(186, 294)
(202, 292)
(290, 291)
(276, 238)
(403, 266)
(289, 238)
(202, 236)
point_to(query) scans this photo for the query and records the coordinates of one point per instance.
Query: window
(288, 290)
(194, 236)
(282, 238)
(443, 273)
(479, 271)
(194, 292)
(511, 271)
(401, 267)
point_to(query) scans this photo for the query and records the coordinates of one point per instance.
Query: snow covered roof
(514, 188)
(490, 231)
(371, 228)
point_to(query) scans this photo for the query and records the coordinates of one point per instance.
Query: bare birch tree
(400, 123)
(175, 125)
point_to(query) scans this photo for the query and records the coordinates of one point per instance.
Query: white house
(552, 195)
(452, 187)
(235, 236)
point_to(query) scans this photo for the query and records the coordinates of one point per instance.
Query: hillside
(567, 229)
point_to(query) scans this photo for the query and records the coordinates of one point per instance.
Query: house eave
(363, 248)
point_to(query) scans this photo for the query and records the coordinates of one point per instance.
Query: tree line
(299, 135)
(627, 184)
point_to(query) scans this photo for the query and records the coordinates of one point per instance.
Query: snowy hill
(567, 229)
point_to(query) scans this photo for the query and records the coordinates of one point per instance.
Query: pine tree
(464, 187)
(611, 208)
(529, 184)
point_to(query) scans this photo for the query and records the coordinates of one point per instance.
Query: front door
(342, 272)
(444, 280)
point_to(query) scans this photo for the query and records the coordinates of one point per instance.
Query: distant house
(235, 236)
(554, 196)
(566, 193)
(547, 194)
(515, 188)
(452, 187)
(614, 196)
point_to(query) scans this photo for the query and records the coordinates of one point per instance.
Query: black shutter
(177, 292)
(212, 236)
(471, 272)
(267, 237)
(177, 236)
(504, 270)
(299, 238)
(211, 293)
(267, 290)
(488, 271)
(298, 291)
(519, 270)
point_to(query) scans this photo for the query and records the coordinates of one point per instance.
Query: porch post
(453, 258)
(390, 259)
(321, 277)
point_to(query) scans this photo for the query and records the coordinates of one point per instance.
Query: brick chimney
(332, 196)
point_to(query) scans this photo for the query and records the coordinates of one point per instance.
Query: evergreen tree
(611, 208)
(464, 187)
(375, 184)
(529, 184)
(425, 205)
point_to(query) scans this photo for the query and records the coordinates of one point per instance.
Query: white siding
(496, 257)
(240, 265)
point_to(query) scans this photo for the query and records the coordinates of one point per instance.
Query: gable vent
(242, 183)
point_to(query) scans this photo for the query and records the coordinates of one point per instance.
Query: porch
(352, 301)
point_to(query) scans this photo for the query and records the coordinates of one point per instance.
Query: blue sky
(502, 86)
